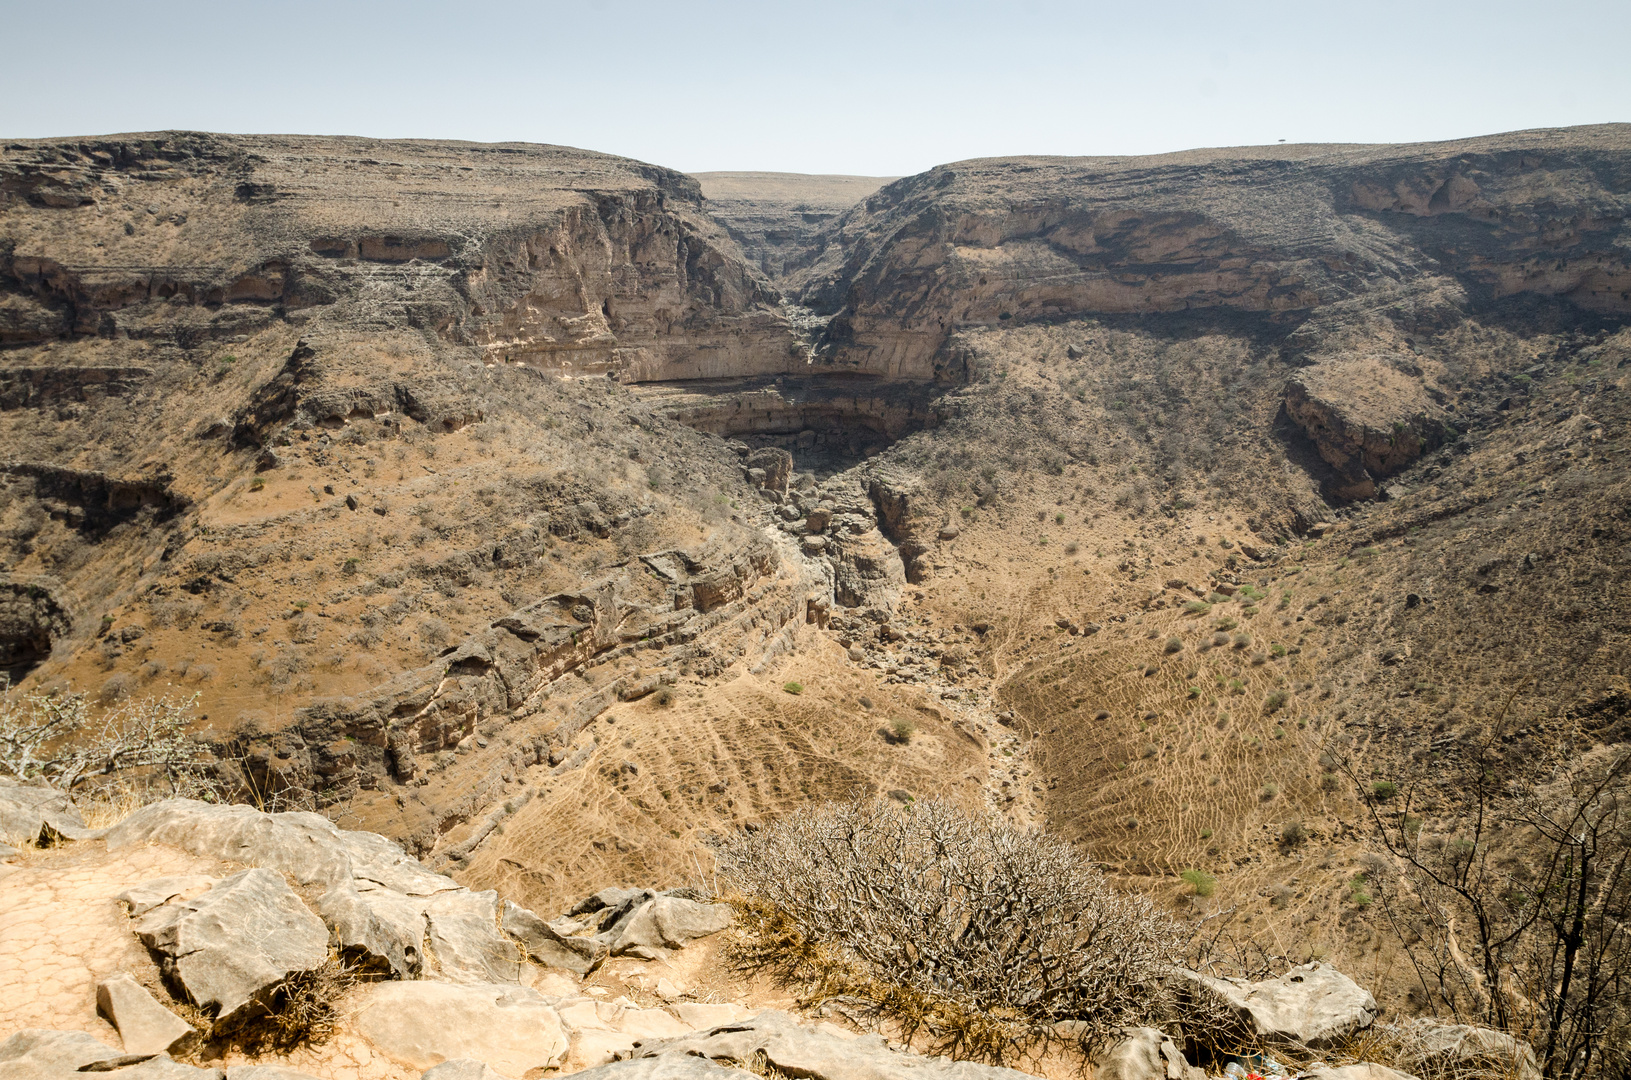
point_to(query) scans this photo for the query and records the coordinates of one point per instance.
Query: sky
(878, 88)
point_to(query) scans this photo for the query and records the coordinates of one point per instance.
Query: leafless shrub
(302, 1010)
(54, 737)
(991, 939)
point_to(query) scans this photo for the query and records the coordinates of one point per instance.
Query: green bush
(1384, 790)
(1173, 645)
(1203, 883)
(793, 687)
(1275, 702)
(901, 731)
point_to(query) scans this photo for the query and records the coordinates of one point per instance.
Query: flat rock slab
(237, 940)
(666, 1067)
(39, 1054)
(145, 1025)
(422, 1024)
(815, 1054)
(462, 1069)
(140, 899)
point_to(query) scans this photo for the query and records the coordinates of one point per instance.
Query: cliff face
(555, 258)
(1280, 234)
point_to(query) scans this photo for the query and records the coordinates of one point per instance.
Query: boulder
(1145, 1054)
(140, 899)
(669, 922)
(145, 1026)
(377, 898)
(1456, 1048)
(422, 1024)
(35, 812)
(40, 1054)
(777, 465)
(1314, 1005)
(461, 1069)
(545, 945)
(784, 1045)
(239, 939)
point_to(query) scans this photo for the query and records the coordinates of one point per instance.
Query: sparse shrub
(1242, 640)
(1203, 883)
(1275, 702)
(864, 701)
(116, 688)
(257, 484)
(1270, 792)
(998, 933)
(1384, 790)
(793, 688)
(1358, 894)
(350, 565)
(901, 731)
(1226, 623)
(1277, 649)
(1197, 607)
(1293, 833)
(302, 1010)
(1173, 645)
(663, 698)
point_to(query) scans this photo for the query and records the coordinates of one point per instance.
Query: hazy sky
(879, 87)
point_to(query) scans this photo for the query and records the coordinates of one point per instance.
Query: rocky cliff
(1278, 235)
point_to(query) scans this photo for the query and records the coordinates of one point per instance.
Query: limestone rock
(140, 899)
(1366, 418)
(422, 1024)
(378, 898)
(549, 947)
(145, 1026)
(1463, 1046)
(1314, 1005)
(666, 1067)
(235, 941)
(1145, 1054)
(697, 1015)
(461, 1069)
(1367, 1070)
(37, 812)
(816, 1054)
(265, 1072)
(669, 922)
(41, 1054)
(777, 465)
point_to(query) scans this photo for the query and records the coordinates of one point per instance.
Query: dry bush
(55, 738)
(992, 939)
(301, 1010)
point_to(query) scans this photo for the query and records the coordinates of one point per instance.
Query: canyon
(552, 513)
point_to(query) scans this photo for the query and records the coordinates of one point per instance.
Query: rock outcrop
(1367, 418)
(380, 902)
(227, 947)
